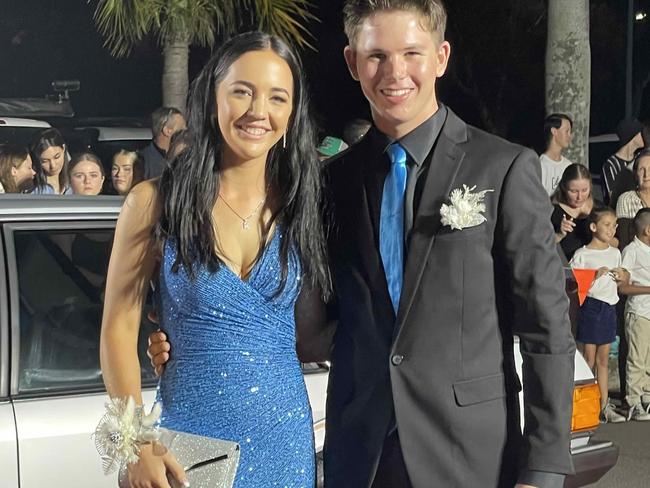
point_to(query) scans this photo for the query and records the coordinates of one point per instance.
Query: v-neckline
(247, 279)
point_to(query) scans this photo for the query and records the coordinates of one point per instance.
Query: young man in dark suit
(441, 251)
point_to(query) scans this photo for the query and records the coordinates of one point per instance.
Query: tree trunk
(175, 78)
(568, 70)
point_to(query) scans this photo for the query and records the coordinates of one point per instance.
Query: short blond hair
(432, 13)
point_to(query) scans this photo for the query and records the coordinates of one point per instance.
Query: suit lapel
(375, 175)
(444, 166)
(375, 170)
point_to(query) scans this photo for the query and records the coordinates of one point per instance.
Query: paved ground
(633, 439)
(633, 467)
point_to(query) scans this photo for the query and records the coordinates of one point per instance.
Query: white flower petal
(466, 208)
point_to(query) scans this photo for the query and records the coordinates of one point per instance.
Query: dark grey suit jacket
(444, 366)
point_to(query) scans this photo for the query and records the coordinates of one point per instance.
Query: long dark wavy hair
(46, 139)
(189, 186)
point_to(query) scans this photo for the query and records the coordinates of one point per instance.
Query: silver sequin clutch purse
(208, 462)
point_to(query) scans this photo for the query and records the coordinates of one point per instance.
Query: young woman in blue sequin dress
(232, 231)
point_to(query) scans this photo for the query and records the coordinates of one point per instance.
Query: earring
(284, 140)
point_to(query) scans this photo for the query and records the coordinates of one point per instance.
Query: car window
(61, 279)
(19, 135)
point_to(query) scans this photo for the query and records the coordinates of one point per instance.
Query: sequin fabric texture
(233, 372)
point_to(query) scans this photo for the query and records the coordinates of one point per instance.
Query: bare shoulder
(143, 202)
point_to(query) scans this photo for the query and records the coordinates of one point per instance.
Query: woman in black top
(572, 203)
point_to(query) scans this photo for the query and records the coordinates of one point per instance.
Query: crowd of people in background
(48, 168)
(611, 239)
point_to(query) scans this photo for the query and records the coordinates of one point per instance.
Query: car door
(56, 276)
(8, 446)
(8, 443)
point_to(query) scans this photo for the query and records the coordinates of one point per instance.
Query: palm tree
(181, 23)
(568, 70)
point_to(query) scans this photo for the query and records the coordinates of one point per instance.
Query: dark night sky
(495, 78)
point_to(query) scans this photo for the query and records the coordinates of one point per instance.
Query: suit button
(397, 359)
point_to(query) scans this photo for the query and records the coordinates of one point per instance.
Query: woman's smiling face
(254, 104)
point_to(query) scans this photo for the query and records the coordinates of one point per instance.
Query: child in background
(597, 317)
(636, 259)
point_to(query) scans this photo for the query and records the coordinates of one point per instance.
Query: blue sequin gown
(233, 372)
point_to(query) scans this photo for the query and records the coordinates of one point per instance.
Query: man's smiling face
(397, 63)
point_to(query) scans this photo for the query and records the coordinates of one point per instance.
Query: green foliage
(125, 23)
(286, 19)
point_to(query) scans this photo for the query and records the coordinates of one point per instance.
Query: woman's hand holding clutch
(157, 468)
(128, 439)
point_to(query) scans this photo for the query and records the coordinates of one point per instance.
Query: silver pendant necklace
(244, 220)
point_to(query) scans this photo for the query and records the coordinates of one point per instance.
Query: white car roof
(604, 138)
(20, 122)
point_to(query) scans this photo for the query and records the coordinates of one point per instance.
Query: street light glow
(641, 16)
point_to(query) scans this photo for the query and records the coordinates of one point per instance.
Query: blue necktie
(391, 223)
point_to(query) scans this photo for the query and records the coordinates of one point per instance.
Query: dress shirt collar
(419, 141)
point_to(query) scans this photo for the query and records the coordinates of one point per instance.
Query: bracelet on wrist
(122, 430)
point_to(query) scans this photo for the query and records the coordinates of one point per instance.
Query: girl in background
(86, 174)
(572, 204)
(127, 171)
(50, 158)
(597, 317)
(16, 172)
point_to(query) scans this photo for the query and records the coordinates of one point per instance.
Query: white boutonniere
(466, 208)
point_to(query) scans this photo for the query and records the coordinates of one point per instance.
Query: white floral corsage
(466, 208)
(122, 430)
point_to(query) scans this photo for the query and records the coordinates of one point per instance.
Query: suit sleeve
(539, 308)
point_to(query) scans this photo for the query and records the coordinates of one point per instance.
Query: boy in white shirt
(636, 259)
(557, 131)
(597, 318)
